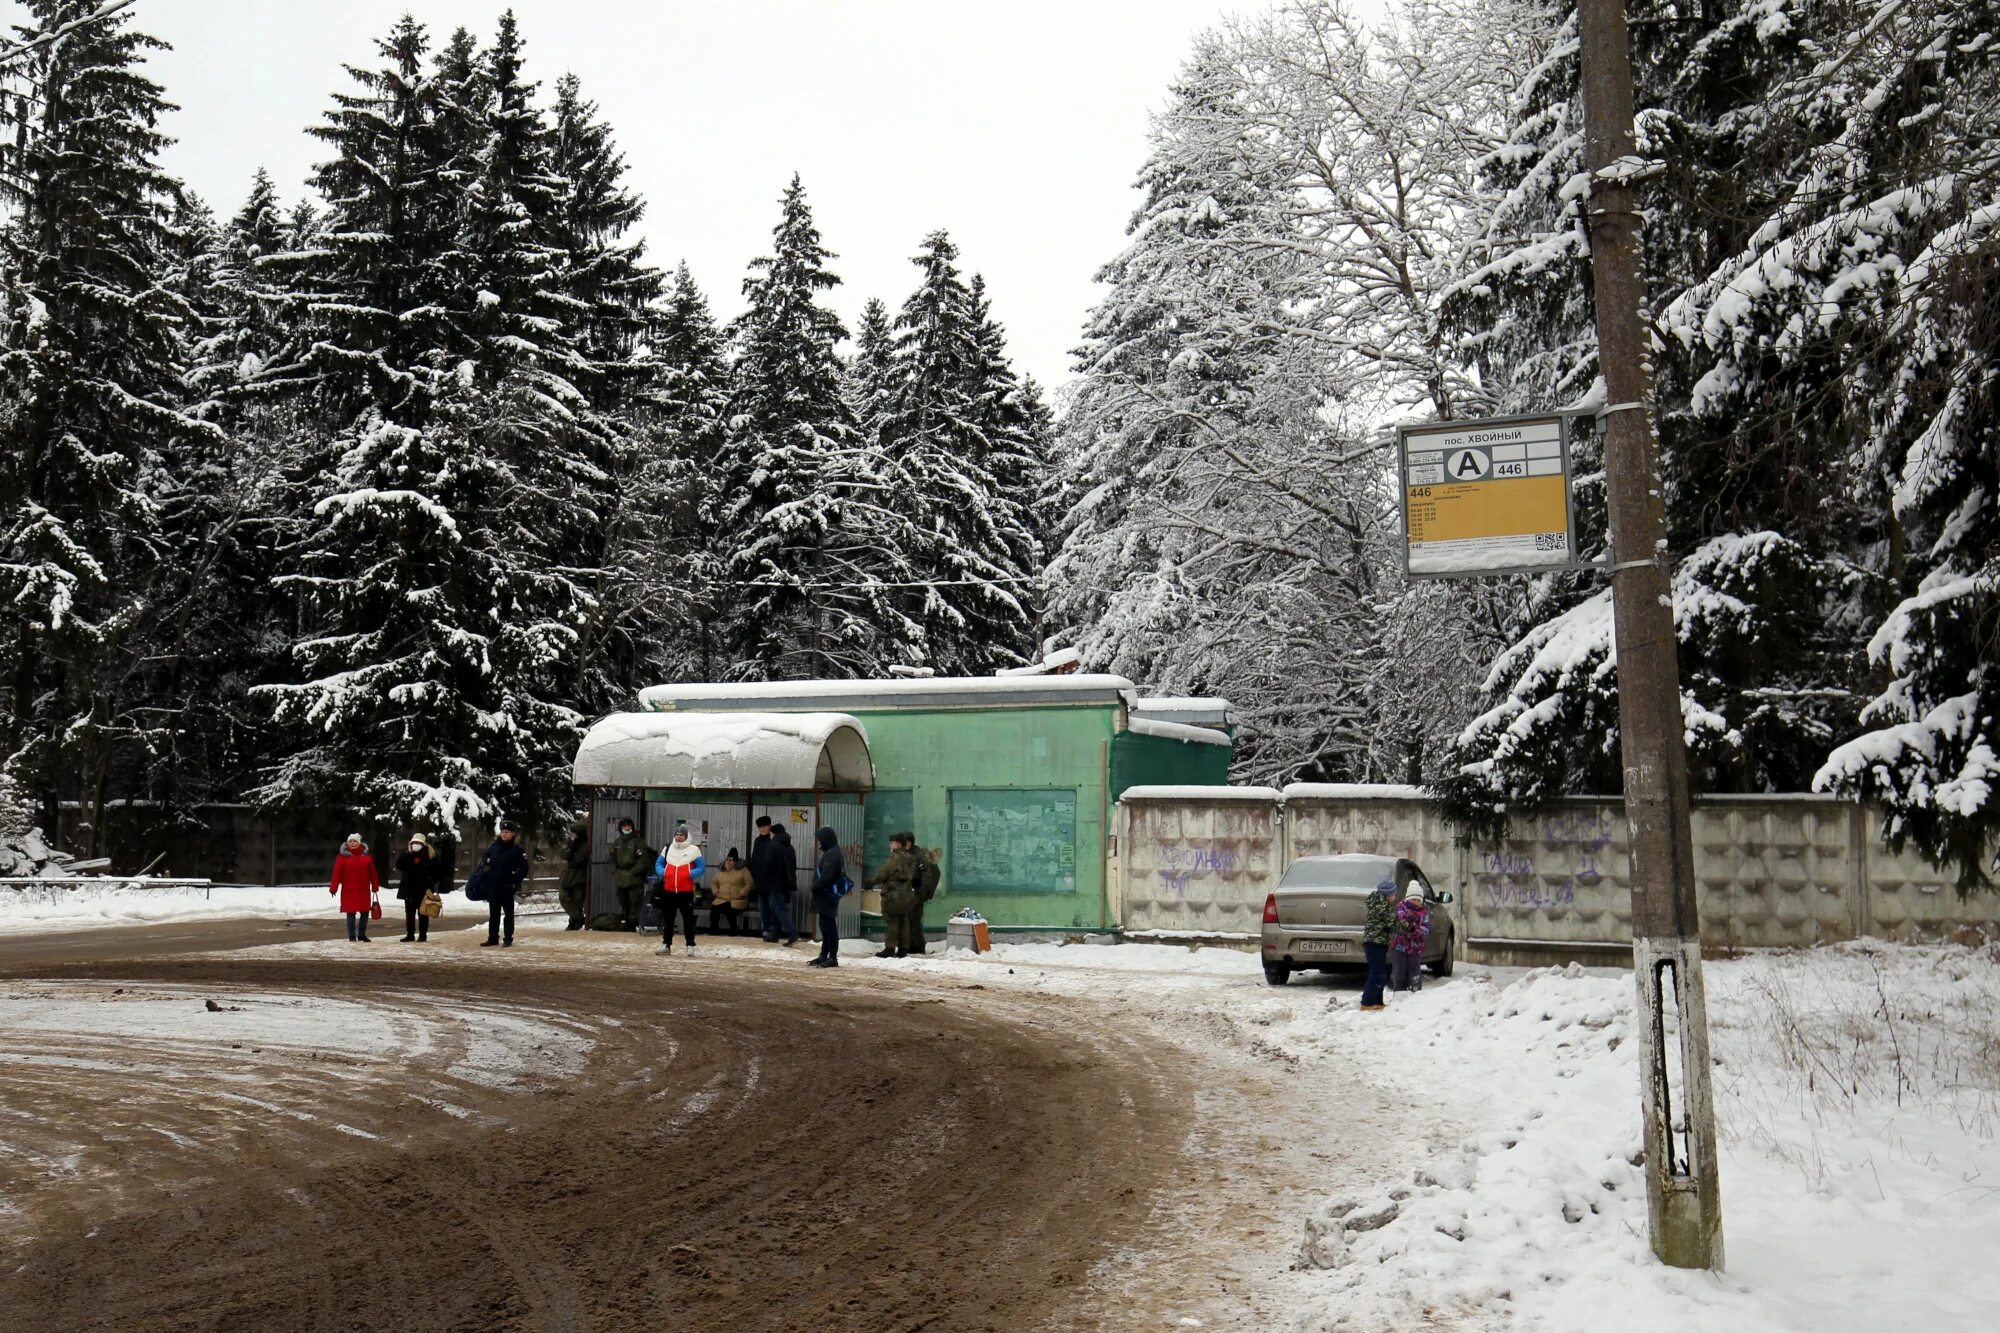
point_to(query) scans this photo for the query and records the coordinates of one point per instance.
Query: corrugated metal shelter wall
(1199, 866)
(1772, 871)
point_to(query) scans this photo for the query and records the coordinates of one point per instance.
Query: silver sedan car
(1313, 921)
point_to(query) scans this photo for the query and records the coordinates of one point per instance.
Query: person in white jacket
(679, 872)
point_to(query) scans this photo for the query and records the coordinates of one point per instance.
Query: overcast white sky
(1018, 125)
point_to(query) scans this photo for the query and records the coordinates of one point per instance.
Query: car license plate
(1320, 946)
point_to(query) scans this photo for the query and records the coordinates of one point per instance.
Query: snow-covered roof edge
(1353, 791)
(939, 691)
(1176, 731)
(1192, 711)
(725, 751)
(1192, 792)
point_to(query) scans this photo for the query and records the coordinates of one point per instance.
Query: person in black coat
(827, 872)
(774, 874)
(422, 872)
(502, 872)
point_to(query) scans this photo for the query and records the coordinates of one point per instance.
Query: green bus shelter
(1011, 778)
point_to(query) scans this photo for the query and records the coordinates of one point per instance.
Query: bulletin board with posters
(1488, 497)
(1013, 841)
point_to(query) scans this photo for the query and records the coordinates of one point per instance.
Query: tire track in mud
(738, 1147)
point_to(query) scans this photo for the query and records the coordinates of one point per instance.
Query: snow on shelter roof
(726, 752)
(1188, 711)
(930, 692)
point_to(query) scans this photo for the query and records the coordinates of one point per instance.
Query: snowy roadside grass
(1855, 1092)
(34, 908)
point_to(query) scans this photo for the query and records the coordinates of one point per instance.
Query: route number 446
(1510, 469)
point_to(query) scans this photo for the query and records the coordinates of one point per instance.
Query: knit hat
(734, 855)
(1415, 891)
(356, 837)
(1387, 886)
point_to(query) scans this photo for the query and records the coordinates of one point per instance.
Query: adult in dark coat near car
(502, 872)
(826, 906)
(421, 873)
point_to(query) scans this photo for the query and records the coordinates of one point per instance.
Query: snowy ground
(1857, 1091)
(1478, 1172)
(35, 908)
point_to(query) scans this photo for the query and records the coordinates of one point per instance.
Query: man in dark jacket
(630, 860)
(827, 872)
(503, 870)
(784, 883)
(761, 848)
(575, 885)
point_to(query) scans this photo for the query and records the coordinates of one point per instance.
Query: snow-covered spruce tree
(660, 596)
(1898, 230)
(436, 613)
(1017, 426)
(642, 538)
(964, 536)
(805, 530)
(1771, 529)
(871, 372)
(91, 365)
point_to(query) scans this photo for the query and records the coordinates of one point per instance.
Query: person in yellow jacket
(730, 894)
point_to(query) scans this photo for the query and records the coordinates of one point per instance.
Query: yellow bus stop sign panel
(1487, 497)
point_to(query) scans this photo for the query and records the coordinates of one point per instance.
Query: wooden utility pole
(1683, 1196)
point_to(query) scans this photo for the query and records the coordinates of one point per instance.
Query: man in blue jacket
(502, 872)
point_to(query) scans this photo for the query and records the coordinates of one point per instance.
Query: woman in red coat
(355, 880)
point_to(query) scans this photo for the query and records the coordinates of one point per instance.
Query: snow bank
(35, 908)
(1857, 1093)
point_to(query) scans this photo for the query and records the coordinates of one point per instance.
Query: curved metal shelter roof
(727, 752)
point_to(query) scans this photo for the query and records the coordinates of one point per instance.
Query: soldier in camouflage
(897, 879)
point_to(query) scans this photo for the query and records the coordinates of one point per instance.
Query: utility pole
(1683, 1197)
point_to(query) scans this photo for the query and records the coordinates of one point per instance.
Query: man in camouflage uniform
(897, 879)
(630, 860)
(575, 884)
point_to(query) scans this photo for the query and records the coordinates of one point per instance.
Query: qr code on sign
(1551, 541)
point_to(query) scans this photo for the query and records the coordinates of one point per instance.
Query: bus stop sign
(1488, 497)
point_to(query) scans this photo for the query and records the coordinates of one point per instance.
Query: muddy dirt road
(465, 1139)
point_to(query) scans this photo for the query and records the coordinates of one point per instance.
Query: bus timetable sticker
(1487, 497)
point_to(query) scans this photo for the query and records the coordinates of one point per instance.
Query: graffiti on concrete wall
(1180, 864)
(1568, 854)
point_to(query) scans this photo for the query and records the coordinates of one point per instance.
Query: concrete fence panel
(1198, 865)
(1775, 871)
(1772, 871)
(1909, 899)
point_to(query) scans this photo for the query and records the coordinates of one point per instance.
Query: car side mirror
(1444, 897)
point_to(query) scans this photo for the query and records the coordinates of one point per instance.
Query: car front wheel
(1277, 973)
(1442, 967)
